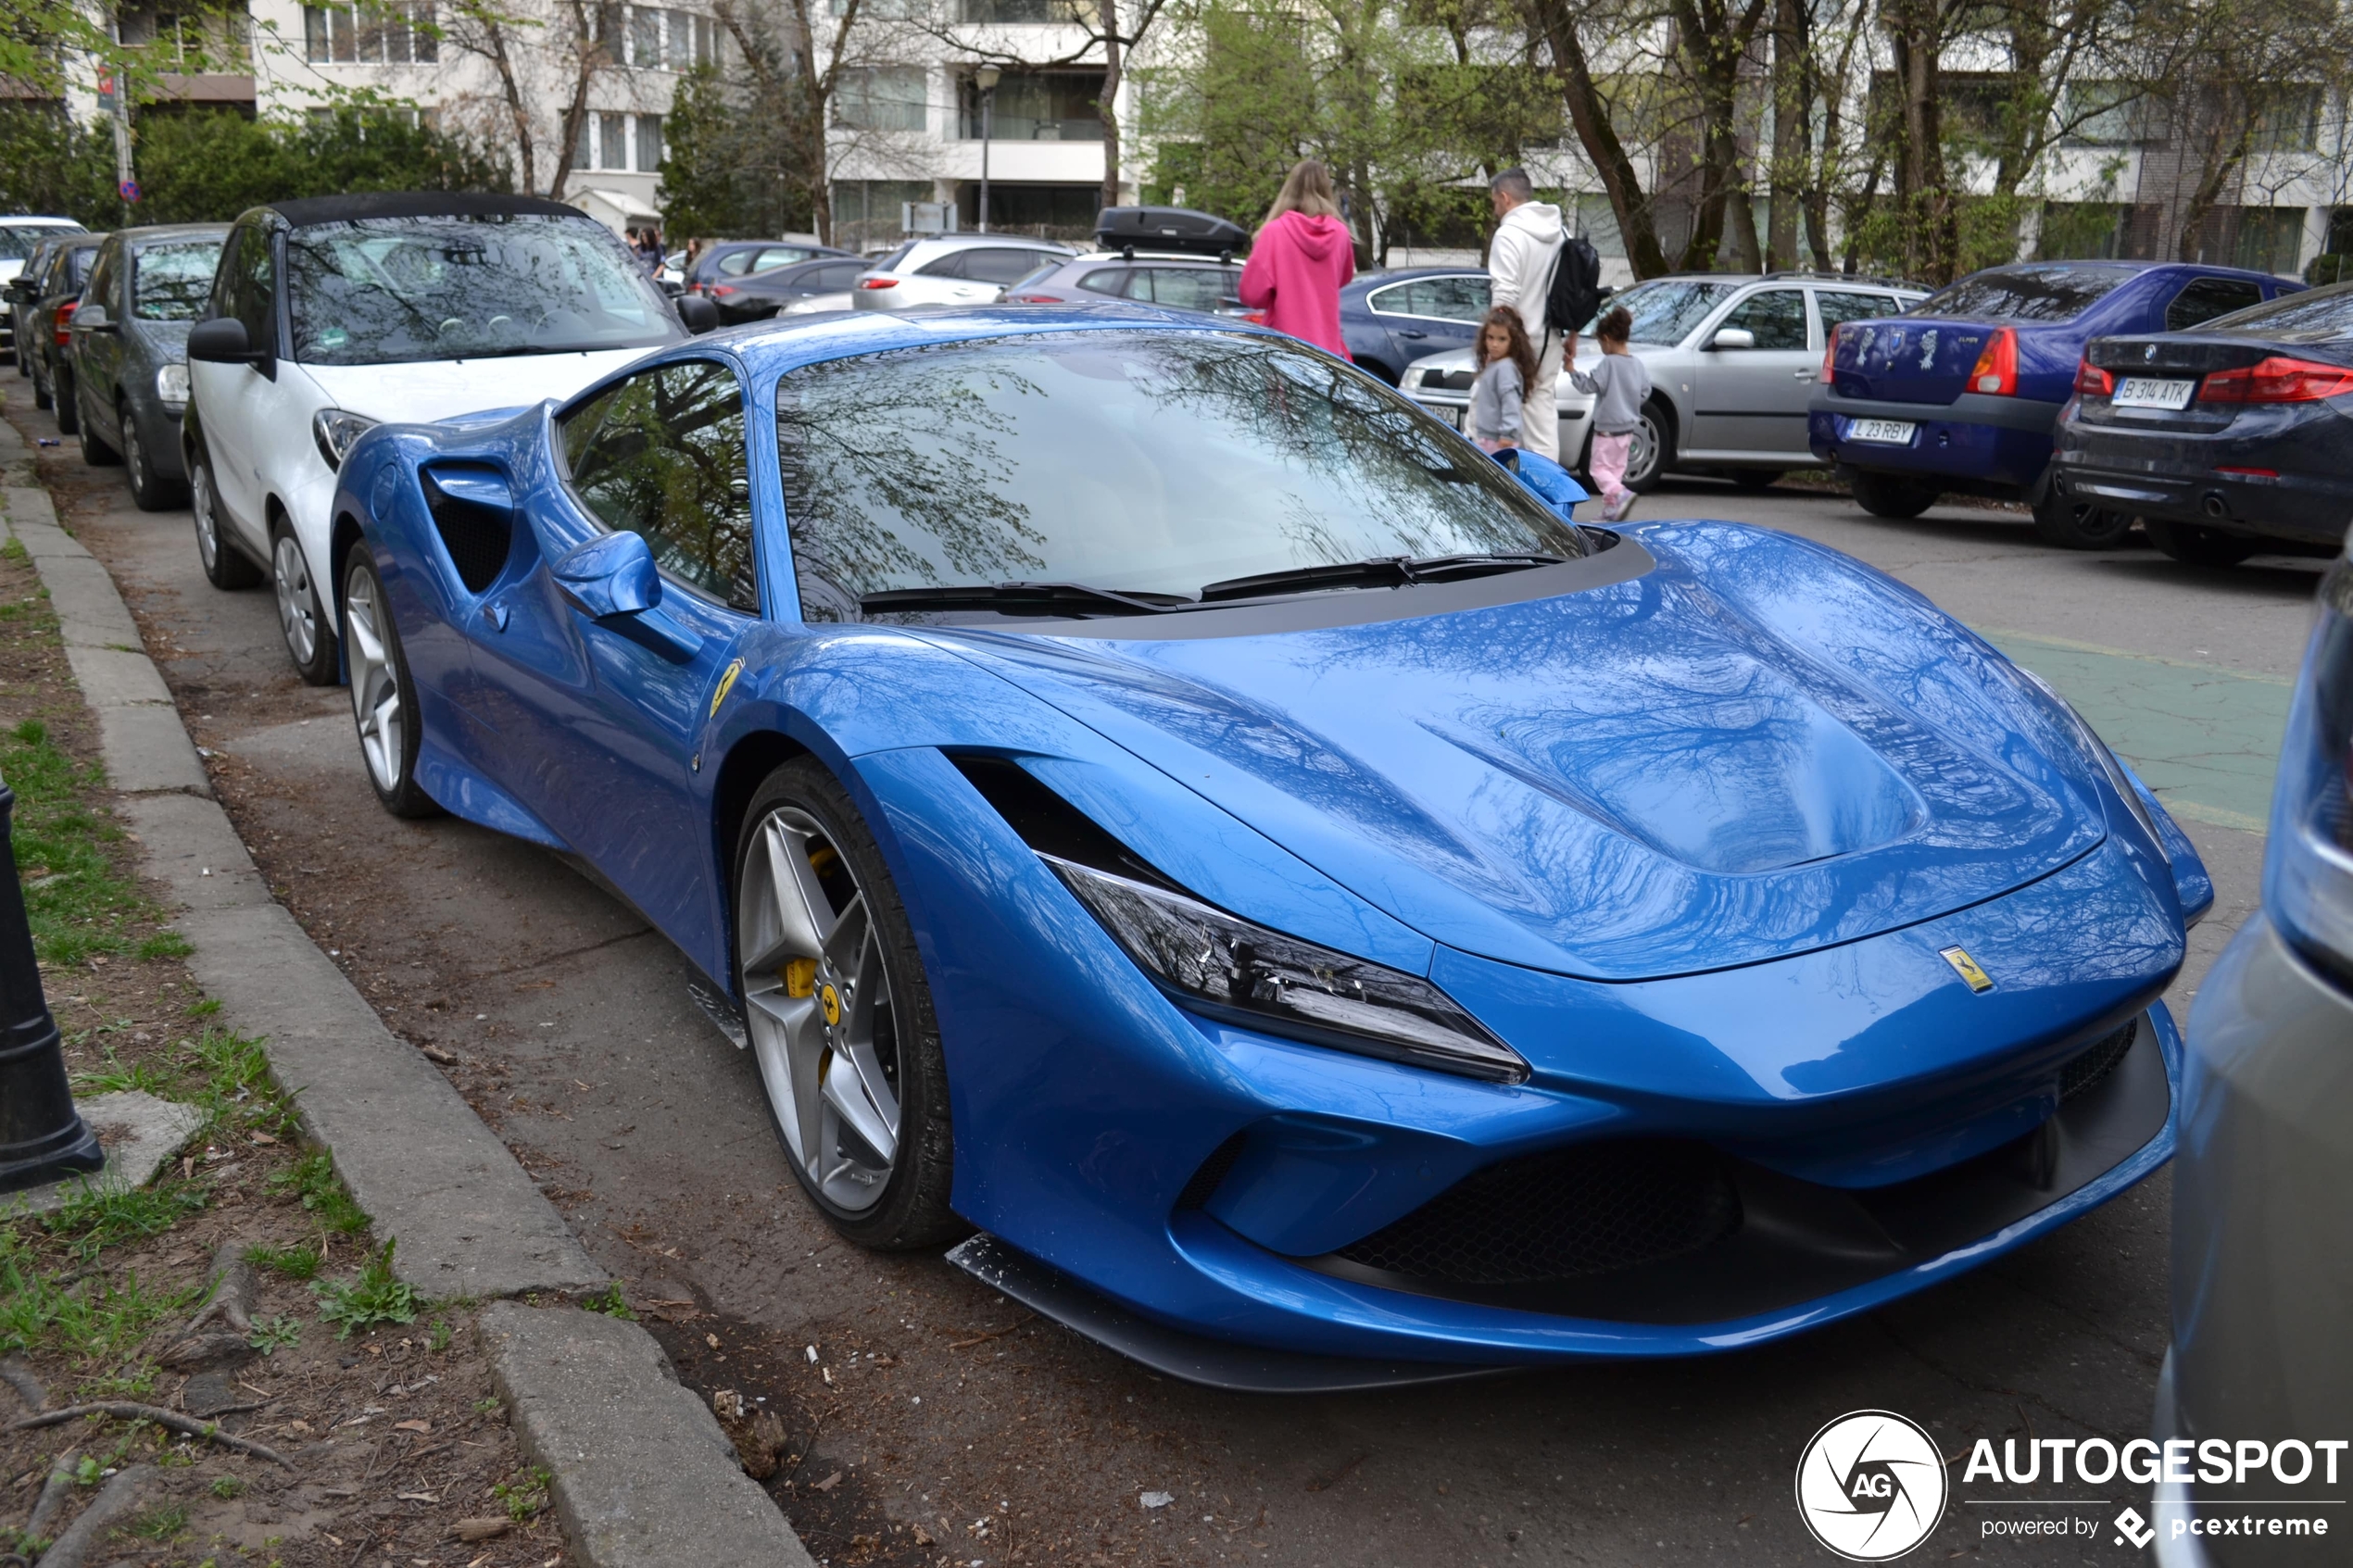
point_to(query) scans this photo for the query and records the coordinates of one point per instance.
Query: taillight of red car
(2091, 379)
(65, 315)
(2277, 379)
(1997, 369)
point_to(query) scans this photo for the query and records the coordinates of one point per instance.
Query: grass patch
(204, 1009)
(525, 1495)
(237, 1092)
(14, 550)
(158, 1524)
(313, 1179)
(162, 944)
(375, 1297)
(97, 1217)
(608, 1301)
(79, 905)
(295, 1262)
(86, 1315)
(275, 1333)
(228, 1487)
(114, 1076)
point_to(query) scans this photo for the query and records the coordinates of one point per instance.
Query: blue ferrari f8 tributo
(1148, 794)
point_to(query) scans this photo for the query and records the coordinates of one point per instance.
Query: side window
(244, 289)
(1838, 306)
(1112, 280)
(2204, 299)
(949, 265)
(842, 275)
(1390, 301)
(663, 455)
(1454, 299)
(100, 289)
(735, 262)
(1776, 316)
(1191, 288)
(1000, 266)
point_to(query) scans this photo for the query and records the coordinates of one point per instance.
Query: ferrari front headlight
(1231, 969)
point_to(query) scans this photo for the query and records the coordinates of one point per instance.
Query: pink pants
(1610, 455)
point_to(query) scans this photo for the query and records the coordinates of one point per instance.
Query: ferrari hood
(1756, 747)
(436, 389)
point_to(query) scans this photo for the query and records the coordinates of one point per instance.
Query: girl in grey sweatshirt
(1506, 364)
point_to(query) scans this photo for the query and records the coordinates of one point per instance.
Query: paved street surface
(934, 1406)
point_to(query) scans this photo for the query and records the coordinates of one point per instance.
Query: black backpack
(1574, 292)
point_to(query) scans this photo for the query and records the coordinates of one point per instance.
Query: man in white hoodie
(1519, 265)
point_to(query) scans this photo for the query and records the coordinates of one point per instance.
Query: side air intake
(476, 536)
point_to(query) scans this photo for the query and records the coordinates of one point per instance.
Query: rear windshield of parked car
(2025, 293)
(1664, 311)
(172, 281)
(1149, 462)
(2320, 313)
(383, 291)
(18, 244)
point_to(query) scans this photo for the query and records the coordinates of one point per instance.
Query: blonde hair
(1308, 189)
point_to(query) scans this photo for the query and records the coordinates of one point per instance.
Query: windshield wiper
(1377, 571)
(1020, 598)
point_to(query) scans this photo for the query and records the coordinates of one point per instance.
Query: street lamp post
(41, 1137)
(985, 78)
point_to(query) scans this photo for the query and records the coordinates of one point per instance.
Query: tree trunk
(516, 113)
(1591, 119)
(1109, 105)
(1923, 198)
(1793, 130)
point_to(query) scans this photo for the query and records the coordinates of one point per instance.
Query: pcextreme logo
(1871, 1485)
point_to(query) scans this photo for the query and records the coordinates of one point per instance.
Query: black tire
(225, 567)
(1754, 479)
(149, 489)
(383, 698)
(41, 396)
(62, 394)
(1885, 495)
(2073, 524)
(2195, 545)
(94, 451)
(302, 615)
(812, 813)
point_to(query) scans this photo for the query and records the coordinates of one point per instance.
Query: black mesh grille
(1213, 1171)
(1582, 1211)
(2091, 1067)
(476, 537)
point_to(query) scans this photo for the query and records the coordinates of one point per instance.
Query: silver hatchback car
(954, 269)
(1732, 360)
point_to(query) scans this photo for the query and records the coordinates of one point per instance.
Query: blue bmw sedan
(1149, 795)
(1960, 392)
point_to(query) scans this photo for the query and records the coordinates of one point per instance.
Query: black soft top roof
(417, 204)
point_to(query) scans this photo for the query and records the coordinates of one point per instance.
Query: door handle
(1804, 375)
(1404, 333)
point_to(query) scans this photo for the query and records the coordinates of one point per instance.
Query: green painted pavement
(2206, 739)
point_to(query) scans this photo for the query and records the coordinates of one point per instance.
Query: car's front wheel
(95, 450)
(383, 703)
(1885, 495)
(61, 391)
(840, 1015)
(1653, 452)
(224, 566)
(2194, 545)
(2074, 524)
(310, 642)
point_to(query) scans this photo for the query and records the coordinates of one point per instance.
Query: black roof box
(1167, 228)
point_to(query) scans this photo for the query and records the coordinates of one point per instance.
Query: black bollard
(41, 1137)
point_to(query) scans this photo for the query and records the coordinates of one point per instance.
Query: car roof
(38, 221)
(787, 343)
(968, 242)
(1406, 274)
(157, 232)
(307, 210)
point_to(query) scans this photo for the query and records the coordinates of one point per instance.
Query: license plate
(1448, 412)
(2153, 391)
(1896, 432)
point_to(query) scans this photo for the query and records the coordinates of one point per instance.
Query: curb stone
(642, 1476)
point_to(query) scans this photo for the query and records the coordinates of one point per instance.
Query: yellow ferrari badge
(727, 684)
(830, 1000)
(1967, 968)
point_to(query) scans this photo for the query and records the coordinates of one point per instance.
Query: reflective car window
(170, 282)
(71, 270)
(662, 454)
(1451, 299)
(999, 265)
(1151, 462)
(1191, 288)
(2319, 311)
(840, 275)
(1112, 280)
(104, 275)
(779, 255)
(2202, 299)
(1776, 316)
(383, 291)
(2057, 293)
(245, 287)
(1837, 306)
(735, 263)
(1665, 311)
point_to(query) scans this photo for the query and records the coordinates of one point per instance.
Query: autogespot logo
(1871, 1485)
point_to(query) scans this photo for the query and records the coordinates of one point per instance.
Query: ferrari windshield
(1140, 462)
(382, 291)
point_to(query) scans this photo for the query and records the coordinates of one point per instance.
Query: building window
(645, 38)
(612, 136)
(651, 38)
(395, 34)
(648, 143)
(1036, 106)
(2108, 114)
(891, 99)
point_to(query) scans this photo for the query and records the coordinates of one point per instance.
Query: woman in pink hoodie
(1302, 257)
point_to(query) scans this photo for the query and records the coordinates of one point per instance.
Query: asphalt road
(932, 1405)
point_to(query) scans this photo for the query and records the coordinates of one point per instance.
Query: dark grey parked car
(2263, 1235)
(130, 351)
(48, 295)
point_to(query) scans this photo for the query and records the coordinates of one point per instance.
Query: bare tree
(529, 54)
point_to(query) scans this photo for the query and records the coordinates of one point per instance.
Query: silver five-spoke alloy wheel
(376, 697)
(297, 606)
(818, 1004)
